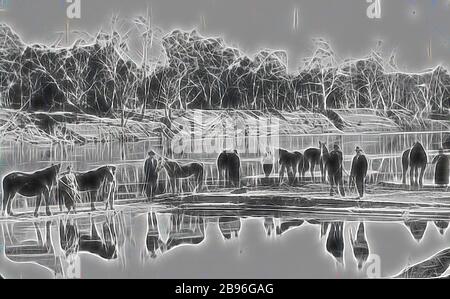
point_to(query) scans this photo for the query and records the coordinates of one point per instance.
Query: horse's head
(162, 162)
(113, 169)
(323, 148)
(55, 171)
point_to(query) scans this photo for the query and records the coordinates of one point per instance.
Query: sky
(407, 26)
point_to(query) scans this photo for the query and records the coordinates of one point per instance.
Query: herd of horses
(39, 184)
(101, 183)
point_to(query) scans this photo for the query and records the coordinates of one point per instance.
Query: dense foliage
(98, 76)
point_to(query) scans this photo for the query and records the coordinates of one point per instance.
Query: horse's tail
(405, 164)
(3, 203)
(59, 194)
(201, 177)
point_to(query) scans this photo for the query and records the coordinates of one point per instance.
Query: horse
(414, 159)
(324, 159)
(229, 167)
(290, 162)
(312, 158)
(67, 191)
(98, 182)
(38, 184)
(176, 171)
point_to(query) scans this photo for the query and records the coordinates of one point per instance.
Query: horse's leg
(422, 173)
(313, 166)
(7, 197)
(420, 176)
(173, 185)
(416, 175)
(200, 182)
(411, 176)
(290, 175)
(94, 233)
(322, 172)
(281, 176)
(405, 165)
(405, 171)
(112, 196)
(47, 203)
(93, 195)
(38, 205)
(48, 238)
(108, 194)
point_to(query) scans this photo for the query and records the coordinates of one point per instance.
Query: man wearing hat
(151, 174)
(359, 171)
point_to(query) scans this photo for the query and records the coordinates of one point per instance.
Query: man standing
(151, 175)
(335, 168)
(359, 171)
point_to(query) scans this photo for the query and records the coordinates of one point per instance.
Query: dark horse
(290, 162)
(335, 169)
(316, 156)
(38, 184)
(229, 167)
(176, 171)
(98, 182)
(414, 159)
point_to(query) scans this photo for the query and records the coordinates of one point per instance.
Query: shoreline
(80, 129)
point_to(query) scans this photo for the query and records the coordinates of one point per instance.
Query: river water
(168, 241)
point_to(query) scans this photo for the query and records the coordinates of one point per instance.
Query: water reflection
(167, 231)
(417, 228)
(335, 241)
(441, 225)
(102, 244)
(30, 242)
(360, 247)
(57, 244)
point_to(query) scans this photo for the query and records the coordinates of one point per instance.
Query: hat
(151, 153)
(358, 149)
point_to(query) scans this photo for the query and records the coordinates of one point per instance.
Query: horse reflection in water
(441, 226)
(104, 244)
(167, 231)
(277, 227)
(417, 229)
(230, 227)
